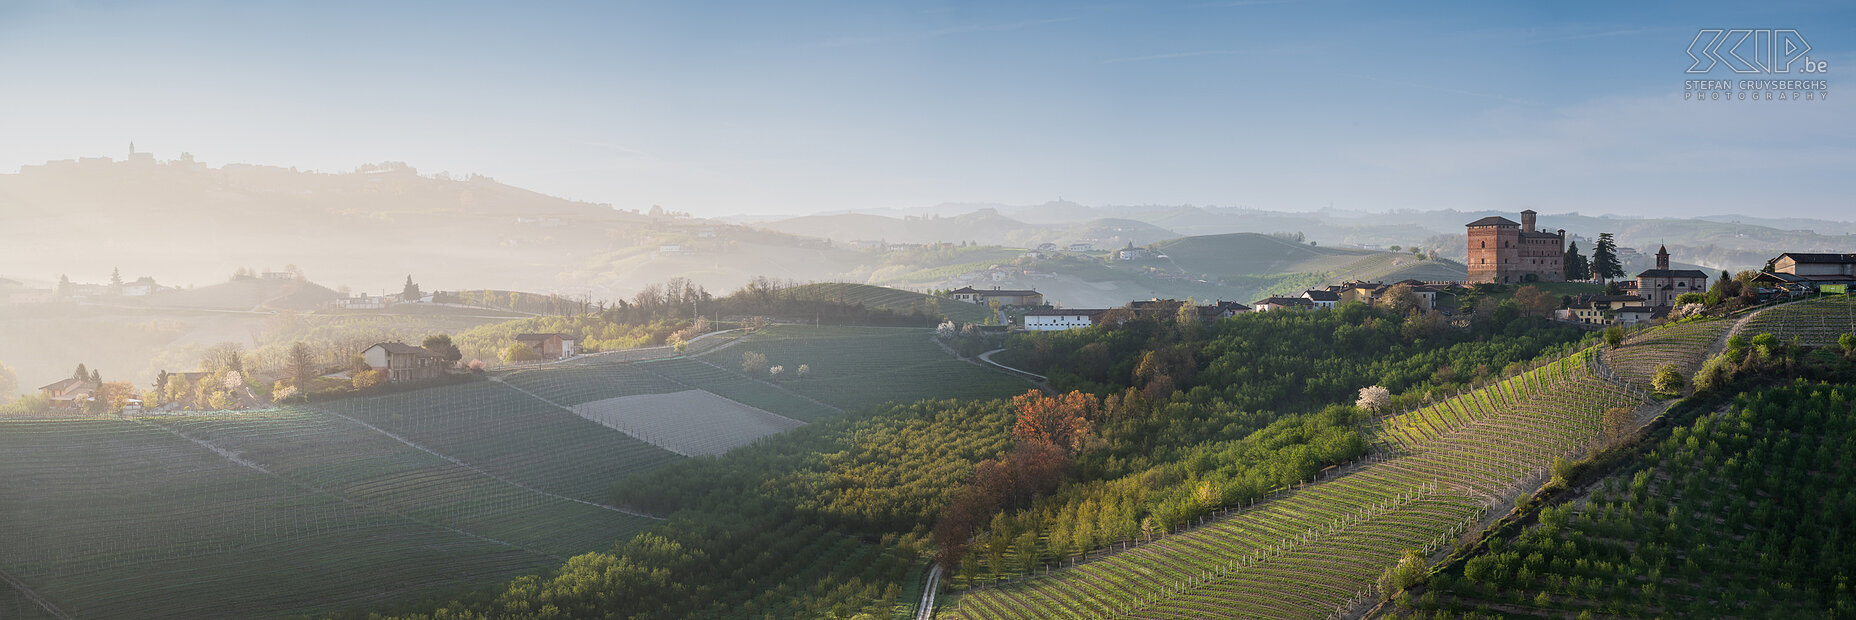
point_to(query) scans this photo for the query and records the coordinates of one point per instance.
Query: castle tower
(1502, 251)
(1662, 257)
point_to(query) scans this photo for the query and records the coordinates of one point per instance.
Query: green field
(362, 501)
(861, 367)
(119, 518)
(894, 299)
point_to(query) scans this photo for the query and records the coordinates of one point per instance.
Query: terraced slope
(1816, 322)
(1684, 345)
(1317, 550)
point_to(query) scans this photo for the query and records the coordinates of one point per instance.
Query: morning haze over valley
(1292, 309)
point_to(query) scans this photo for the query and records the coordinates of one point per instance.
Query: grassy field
(860, 367)
(118, 518)
(893, 299)
(359, 502)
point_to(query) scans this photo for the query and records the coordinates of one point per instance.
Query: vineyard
(510, 435)
(1817, 322)
(854, 368)
(119, 518)
(355, 502)
(1684, 344)
(1737, 514)
(690, 423)
(1317, 550)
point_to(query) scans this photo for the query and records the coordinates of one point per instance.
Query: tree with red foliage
(1062, 421)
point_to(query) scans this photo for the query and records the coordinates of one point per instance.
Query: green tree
(116, 280)
(441, 344)
(301, 365)
(410, 292)
(519, 352)
(1577, 268)
(753, 363)
(1668, 379)
(1848, 342)
(1605, 263)
(1614, 336)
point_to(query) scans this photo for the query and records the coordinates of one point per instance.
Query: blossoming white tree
(1374, 398)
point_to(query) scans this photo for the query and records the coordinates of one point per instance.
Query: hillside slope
(1318, 549)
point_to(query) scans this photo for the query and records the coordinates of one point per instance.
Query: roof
(1673, 273)
(1540, 235)
(1808, 257)
(1494, 220)
(1285, 301)
(994, 292)
(401, 348)
(1065, 312)
(1318, 295)
(66, 383)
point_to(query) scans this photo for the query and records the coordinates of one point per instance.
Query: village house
(1323, 298)
(1817, 269)
(1221, 309)
(362, 302)
(1082, 247)
(1661, 286)
(69, 393)
(1005, 297)
(1132, 253)
(1282, 303)
(400, 362)
(141, 287)
(549, 346)
(1059, 319)
(1598, 309)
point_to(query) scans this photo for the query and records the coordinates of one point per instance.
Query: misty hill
(1717, 242)
(189, 222)
(983, 225)
(244, 293)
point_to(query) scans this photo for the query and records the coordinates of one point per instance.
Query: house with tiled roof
(400, 362)
(69, 393)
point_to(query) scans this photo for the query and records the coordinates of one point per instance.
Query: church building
(1661, 286)
(1502, 251)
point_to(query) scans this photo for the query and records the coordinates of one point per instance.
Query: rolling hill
(889, 298)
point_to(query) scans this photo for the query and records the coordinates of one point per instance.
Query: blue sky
(801, 107)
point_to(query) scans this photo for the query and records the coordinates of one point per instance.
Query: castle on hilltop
(1502, 251)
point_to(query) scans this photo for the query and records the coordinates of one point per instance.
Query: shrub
(1668, 379)
(1713, 374)
(519, 352)
(1614, 336)
(753, 363)
(368, 379)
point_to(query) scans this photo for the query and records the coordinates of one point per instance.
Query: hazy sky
(800, 107)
